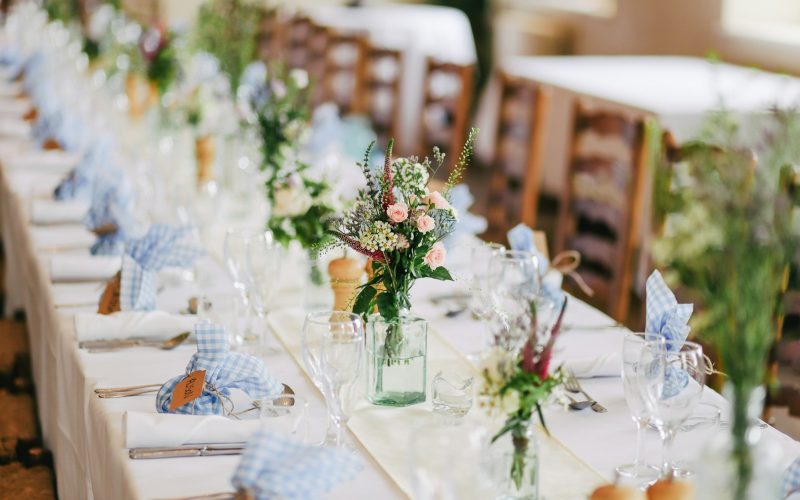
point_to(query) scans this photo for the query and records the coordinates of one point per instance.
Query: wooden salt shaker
(205, 151)
(345, 277)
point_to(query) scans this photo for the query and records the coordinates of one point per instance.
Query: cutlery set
(572, 385)
(118, 344)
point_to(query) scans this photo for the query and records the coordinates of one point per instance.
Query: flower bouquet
(278, 109)
(160, 59)
(399, 224)
(516, 386)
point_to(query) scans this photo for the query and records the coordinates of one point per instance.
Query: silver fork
(572, 385)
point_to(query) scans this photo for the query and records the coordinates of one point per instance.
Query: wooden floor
(25, 466)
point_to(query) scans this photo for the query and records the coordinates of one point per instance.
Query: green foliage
(728, 239)
(162, 70)
(463, 160)
(228, 30)
(62, 10)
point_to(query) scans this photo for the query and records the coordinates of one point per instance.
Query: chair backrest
(343, 78)
(380, 99)
(600, 209)
(445, 108)
(316, 59)
(514, 186)
(295, 42)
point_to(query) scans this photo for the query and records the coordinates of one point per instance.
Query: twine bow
(567, 263)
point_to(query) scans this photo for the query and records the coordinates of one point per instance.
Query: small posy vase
(397, 353)
(510, 456)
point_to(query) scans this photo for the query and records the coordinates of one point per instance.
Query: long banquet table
(85, 432)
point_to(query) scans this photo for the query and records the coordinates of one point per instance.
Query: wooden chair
(315, 61)
(383, 68)
(445, 108)
(295, 41)
(343, 78)
(600, 209)
(268, 37)
(514, 186)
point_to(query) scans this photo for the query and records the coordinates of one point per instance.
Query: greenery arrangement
(729, 238)
(159, 55)
(280, 112)
(228, 30)
(400, 224)
(516, 385)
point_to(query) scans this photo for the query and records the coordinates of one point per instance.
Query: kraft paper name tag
(109, 301)
(188, 389)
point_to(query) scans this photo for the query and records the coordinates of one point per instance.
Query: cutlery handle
(100, 345)
(124, 394)
(597, 407)
(145, 453)
(126, 388)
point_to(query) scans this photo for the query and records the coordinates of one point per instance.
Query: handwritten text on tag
(188, 389)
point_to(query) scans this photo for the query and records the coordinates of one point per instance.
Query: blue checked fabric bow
(791, 478)
(225, 370)
(275, 466)
(162, 246)
(669, 320)
(78, 184)
(111, 205)
(468, 224)
(664, 315)
(520, 237)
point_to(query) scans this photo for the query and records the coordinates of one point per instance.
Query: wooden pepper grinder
(205, 151)
(346, 277)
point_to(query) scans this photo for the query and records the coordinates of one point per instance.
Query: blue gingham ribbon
(664, 315)
(162, 246)
(78, 184)
(791, 479)
(111, 203)
(669, 320)
(225, 370)
(520, 237)
(63, 126)
(276, 466)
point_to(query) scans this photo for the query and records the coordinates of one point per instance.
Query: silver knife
(187, 451)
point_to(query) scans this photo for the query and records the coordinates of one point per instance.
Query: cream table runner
(386, 432)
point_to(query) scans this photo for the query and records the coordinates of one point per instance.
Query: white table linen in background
(78, 294)
(47, 212)
(127, 324)
(419, 31)
(59, 162)
(73, 267)
(62, 237)
(149, 429)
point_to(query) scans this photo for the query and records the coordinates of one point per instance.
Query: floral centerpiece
(160, 58)
(279, 111)
(399, 224)
(728, 239)
(228, 29)
(515, 386)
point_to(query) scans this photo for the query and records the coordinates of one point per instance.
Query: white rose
(510, 402)
(291, 201)
(299, 77)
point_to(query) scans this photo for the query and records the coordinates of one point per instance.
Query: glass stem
(637, 458)
(667, 437)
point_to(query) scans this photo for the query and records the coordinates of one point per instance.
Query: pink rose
(436, 255)
(437, 200)
(425, 223)
(398, 212)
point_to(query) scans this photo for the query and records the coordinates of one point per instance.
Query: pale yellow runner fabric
(386, 432)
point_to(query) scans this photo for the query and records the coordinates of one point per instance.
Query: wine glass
(481, 256)
(671, 376)
(340, 364)
(263, 276)
(515, 287)
(236, 248)
(631, 352)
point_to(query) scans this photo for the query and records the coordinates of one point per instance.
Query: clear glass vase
(747, 471)
(397, 367)
(511, 465)
(318, 292)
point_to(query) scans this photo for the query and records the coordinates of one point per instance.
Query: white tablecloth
(419, 31)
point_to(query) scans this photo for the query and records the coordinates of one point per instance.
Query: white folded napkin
(57, 212)
(64, 237)
(33, 184)
(65, 267)
(14, 107)
(15, 127)
(608, 365)
(51, 161)
(169, 429)
(10, 89)
(77, 294)
(11, 146)
(127, 324)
